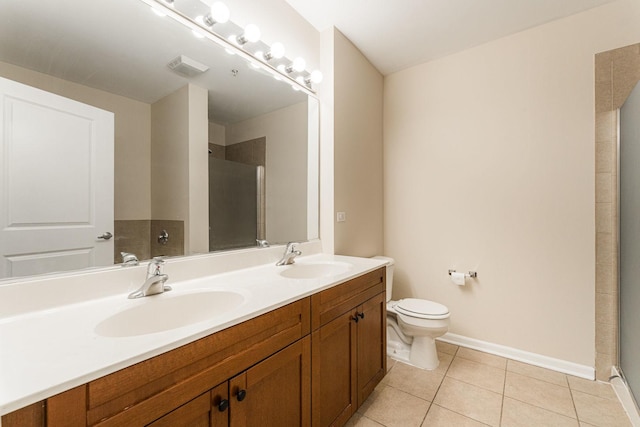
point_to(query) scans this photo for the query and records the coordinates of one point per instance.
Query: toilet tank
(390, 265)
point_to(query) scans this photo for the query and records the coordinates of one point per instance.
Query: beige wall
(132, 137)
(358, 88)
(198, 170)
(327, 120)
(179, 163)
(489, 166)
(285, 168)
(217, 134)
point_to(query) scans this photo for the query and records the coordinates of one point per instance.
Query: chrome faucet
(290, 253)
(155, 280)
(129, 259)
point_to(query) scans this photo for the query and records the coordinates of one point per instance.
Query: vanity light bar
(303, 83)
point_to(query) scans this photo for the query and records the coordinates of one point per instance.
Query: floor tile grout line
(427, 413)
(476, 385)
(546, 409)
(431, 404)
(541, 379)
(374, 421)
(458, 413)
(406, 392)
(440, 385)
(573, 402)
(455, 355)
(504, 389)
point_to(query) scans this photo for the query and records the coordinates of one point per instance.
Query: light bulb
(220, 12)
(282, 68)
(251, 34)
(316, 76)
(277, 50)
(300, 80)
(298, 64)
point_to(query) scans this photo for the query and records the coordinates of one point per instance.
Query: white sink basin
(170, 310)
(314, 270)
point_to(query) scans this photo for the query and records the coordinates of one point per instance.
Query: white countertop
(52, 349)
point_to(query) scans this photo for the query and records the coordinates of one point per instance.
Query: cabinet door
(220, 403)
(372, 330)
(275, 392)
(334, 395)
(29, 416)
(196, 413)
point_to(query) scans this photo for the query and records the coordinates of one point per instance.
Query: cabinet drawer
(331, 303)
(149, 389)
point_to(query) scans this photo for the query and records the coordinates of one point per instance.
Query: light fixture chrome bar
(224, 43)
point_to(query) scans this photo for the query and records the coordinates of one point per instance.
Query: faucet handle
(155, 266)
(262, 243)
(129, 259)
(291, 246)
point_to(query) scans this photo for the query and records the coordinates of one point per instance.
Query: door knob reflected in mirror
(106, 236)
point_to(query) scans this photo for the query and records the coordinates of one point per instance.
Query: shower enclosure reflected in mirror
(165, 122)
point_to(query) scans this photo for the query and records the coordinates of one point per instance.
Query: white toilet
(412, 326)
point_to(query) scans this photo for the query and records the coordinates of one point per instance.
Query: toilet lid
(422, 308)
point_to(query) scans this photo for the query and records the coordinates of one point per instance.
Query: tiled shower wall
(616, 73)
(252, 152)
(141, 238)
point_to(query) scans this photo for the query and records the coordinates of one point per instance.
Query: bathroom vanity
(305, 347)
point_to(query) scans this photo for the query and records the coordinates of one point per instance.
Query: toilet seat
(421, 309)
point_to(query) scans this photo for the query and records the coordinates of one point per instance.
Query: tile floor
(471, 388)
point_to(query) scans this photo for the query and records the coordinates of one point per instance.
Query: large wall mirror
(125, 131)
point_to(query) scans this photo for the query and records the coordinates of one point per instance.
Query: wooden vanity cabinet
(276, 389)
(311, 362)
(348, 347)
(260, 354)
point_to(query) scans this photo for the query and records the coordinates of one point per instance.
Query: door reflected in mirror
(172, 130)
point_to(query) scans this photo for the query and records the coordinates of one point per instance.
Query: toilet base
(421, 353)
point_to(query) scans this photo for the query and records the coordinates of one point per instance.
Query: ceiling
(397, 34)
(124, 49)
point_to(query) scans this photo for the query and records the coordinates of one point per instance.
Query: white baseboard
(559, 365)
(625, 397)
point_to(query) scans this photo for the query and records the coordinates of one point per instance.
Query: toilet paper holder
(471, 274)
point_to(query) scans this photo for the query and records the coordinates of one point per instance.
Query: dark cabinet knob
(241, 395)
(223, 405)
(357, 317)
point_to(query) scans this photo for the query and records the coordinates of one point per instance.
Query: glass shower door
(234, 205)
(629, 258)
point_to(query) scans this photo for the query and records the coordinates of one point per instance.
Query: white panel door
(56, 182)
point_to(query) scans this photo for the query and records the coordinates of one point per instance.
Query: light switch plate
(341, 216)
